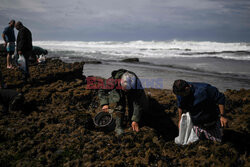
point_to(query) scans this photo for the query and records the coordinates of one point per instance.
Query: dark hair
(179, 86)
(19, 24)
(12, 21)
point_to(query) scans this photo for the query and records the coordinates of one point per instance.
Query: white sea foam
(149, 49)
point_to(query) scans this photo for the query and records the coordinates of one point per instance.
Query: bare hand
(223, 121)
(135, 126)
(105, 108)
(19, 52)
(5, 44)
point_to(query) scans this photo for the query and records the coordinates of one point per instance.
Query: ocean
(224, 65)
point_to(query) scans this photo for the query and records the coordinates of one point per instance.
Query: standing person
(205, 105)
(124, 87)
(24, 44)
(9, 38)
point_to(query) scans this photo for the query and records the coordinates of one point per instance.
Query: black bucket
(104, 121)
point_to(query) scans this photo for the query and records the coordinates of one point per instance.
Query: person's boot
(118, 121)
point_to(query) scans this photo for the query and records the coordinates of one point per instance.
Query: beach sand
(56, 128)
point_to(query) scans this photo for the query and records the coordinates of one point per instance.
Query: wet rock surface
(55, 127)
(2, 50)
(131, 60)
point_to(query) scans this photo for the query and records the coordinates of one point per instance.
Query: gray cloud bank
(119, 20)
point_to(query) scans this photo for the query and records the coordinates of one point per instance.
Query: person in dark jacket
(11, 100)
(9, 38)
(24, 44)
(124, 87)
(205, 105)
(36, 51)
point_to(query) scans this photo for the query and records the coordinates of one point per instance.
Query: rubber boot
(118, 121)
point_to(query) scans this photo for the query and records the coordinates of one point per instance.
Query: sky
(129, 20)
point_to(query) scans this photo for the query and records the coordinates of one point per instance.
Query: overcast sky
(126, 20)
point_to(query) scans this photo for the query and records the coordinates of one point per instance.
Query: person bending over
(124, 89)
(205, 105)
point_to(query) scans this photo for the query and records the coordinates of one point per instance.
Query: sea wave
(154, 49)
(209, 46)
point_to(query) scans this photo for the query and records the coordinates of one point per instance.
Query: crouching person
(10, 100)
(205, 105)
(124, 89)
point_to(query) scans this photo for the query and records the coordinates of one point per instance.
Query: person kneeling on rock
(10, 100)
(205, 105)
(123, 88)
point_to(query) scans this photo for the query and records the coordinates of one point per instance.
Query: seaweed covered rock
(3, 51)
(55, 127)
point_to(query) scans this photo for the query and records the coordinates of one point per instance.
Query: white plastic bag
(41, 59)
(186, 132)
(21, 62)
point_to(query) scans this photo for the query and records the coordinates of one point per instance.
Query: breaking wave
(150, 49)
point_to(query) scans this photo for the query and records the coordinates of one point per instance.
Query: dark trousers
(27, 55)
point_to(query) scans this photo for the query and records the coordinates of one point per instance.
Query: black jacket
(24, 40)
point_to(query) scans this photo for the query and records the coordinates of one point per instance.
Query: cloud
(130, 19)
(29, 5)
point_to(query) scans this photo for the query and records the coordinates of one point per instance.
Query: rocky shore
(55, 127)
